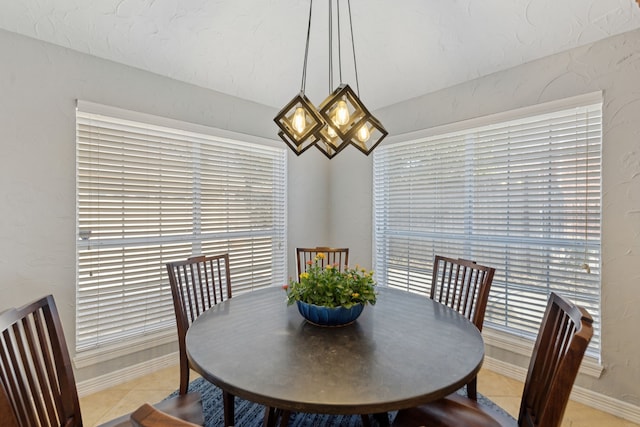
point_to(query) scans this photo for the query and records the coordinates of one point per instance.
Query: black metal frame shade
(357, 110)
(377, 134)
(295, 147)
(313, 122)
(327, 147)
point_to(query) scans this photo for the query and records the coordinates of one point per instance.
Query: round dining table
(403, 351)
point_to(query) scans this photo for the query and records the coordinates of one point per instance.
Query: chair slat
(338, 257)
(463, 286)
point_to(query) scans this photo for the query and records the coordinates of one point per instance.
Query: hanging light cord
(353, 48)
(330, 47)
(306, 51)
(339, 43)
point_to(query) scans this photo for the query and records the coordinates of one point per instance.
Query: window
(519, 192)
(151, 191)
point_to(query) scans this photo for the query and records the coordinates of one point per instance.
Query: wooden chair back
(562, 340)
(564, 335)
(197, 284)
(462, 285)
(333, 256)
(35, 367)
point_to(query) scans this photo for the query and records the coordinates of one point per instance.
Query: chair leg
(271, 416)
(382, 418)
(228, 401)
(365, 420)
(184, 375)
(284, 418)
(472, 389)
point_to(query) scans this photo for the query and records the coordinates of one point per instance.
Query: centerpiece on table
(327, 296)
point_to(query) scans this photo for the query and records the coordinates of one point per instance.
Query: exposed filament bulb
(299, 121)
(341, 117)
(364, 134)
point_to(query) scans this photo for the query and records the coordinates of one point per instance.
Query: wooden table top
(401, 352)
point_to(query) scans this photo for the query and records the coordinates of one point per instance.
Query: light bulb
(299, 121)
(363, 133)
(331, 132)
(342, 113)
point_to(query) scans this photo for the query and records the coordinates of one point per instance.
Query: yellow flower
(355, 295)
(320, 256)
(304, 275)
(329, 267)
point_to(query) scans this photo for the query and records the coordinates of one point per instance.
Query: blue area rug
(249, 414)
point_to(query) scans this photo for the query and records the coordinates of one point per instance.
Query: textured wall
(613, 66)
(349, 216)
(39, 84)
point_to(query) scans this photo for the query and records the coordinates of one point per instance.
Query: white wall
(349, 214)
(39, 84)
(613, 66)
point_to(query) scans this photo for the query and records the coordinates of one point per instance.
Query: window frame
(203, 232)
(496, 335)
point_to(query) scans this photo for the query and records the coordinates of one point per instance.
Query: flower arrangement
(330, 287)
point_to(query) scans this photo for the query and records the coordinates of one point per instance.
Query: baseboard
(121, 376)
(579, 394)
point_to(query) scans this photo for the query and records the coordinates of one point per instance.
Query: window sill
(103, 354)
(590, 366)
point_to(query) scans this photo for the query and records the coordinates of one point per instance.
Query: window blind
(520, 195)
(150, 194)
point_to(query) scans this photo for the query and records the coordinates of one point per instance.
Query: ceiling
(254, 49)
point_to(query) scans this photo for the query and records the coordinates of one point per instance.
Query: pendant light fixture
(341, 119)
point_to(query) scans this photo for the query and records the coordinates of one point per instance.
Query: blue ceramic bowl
(329, 316)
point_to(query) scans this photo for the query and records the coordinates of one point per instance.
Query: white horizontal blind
(148, 195)
(522, 196)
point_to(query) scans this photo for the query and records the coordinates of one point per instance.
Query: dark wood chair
(463, 286)
(563, 337)
(36, 377)
(197, 284)
(333, 256)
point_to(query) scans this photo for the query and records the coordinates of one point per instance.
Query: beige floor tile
(492, 384)
(511, 404)
(132, 400)
(94, 407)
(578, 414)
(505, 392)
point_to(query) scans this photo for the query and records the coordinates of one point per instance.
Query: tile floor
(108, 404)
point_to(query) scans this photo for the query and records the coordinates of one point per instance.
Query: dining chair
(197, 284)
(333, 256)
(36, 376)
(563, 337)
(464, 286)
